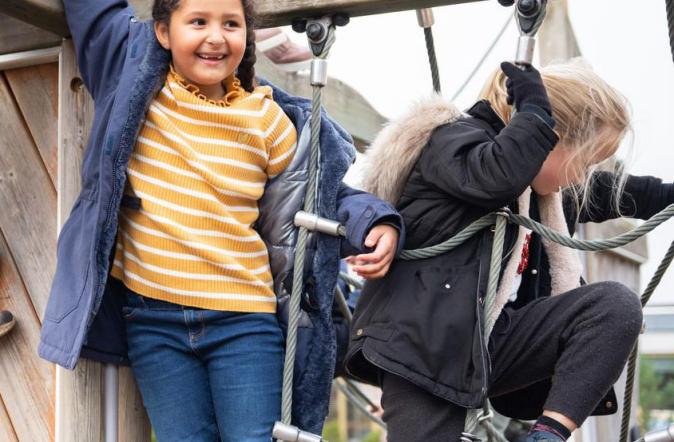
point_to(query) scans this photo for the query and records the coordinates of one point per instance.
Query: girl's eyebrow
(206, 13)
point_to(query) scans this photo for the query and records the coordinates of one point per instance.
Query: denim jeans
(205, 375)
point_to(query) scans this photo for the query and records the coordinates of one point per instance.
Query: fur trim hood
(396, 149)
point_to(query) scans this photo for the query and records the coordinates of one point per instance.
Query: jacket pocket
(73, 270)
(438, 319)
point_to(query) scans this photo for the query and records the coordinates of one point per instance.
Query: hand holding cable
(526, 91)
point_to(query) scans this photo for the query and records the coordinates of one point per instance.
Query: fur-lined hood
(392, 155)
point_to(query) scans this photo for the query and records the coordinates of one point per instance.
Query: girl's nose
(215, 37)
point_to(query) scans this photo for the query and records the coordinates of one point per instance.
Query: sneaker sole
(5, 328)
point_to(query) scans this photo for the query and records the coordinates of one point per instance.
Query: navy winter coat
(123, 67)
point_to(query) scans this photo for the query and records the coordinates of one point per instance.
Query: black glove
(525, 86)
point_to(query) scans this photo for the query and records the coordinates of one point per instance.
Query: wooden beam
(282, 12)
(79, 415)
(17, 36)
(45, 14)
(48, 14)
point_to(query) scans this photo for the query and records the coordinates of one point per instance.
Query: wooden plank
(557, 41)
(35, 90)
(45, 14)
(75, 114)
(16, 36)
(28, 199)
(26, 383)
(133, 421)
(79, 407)
(48, 14)
(636, 251)
(282, 12)
(6, 429)
(79, 393)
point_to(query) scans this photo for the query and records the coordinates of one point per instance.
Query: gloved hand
(525, 86)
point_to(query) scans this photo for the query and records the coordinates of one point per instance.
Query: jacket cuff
(540, 113)
(374, 214)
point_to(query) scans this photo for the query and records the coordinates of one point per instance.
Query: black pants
(580, 340)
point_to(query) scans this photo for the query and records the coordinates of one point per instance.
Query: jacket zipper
(486, 364)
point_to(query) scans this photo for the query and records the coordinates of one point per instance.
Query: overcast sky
(384, 58)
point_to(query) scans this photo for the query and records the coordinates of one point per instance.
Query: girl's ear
(162, 32)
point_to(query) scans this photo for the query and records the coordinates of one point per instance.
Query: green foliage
(372, 436)
(331, 431)
(655, 392)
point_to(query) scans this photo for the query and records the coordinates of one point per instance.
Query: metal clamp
(319, 72)
(425, 17)
(315, 223)
(529, 15)
(317, 29)
(289, 433)
(665, 435)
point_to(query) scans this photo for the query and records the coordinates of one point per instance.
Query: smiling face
(207, 40)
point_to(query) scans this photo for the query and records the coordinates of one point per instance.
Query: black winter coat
(421, 321)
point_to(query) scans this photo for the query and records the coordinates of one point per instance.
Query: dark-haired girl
(207, 171)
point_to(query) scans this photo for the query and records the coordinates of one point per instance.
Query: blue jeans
(205, 375)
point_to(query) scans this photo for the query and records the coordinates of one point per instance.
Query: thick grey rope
(595, 245)
(309, 207)
(432, 59)
(545, 232)
(453, 242)
(631, 366)
(474, 416)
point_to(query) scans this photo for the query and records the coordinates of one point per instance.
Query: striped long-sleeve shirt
(199, 168)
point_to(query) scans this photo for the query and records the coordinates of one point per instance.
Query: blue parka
(123, 67)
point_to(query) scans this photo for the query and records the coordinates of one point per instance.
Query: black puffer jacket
(421, 321)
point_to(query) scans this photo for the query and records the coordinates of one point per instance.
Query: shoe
(7, 322)
(278, 48)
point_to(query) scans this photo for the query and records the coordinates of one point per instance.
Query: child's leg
(414, 415)
(172, 380)
(244, 356)
(582, 337)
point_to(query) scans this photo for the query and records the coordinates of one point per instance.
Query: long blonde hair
(591, 118)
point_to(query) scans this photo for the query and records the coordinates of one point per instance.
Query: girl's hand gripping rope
(374, 265)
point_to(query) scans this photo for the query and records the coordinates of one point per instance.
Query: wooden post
(48, 14)
(79, 412)
(78, 393)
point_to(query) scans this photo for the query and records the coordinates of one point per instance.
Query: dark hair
(161, 13)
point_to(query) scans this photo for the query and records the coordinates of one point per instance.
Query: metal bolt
(359, 332)
(447, 286)
(534, 272)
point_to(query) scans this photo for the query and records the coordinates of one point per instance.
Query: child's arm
(100, 31)
(464, 160)
(374, 231)
(642, 197)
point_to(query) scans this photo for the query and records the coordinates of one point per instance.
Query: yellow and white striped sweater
(199, 167)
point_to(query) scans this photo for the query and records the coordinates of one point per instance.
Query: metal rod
(110, 402)
(29, 58)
